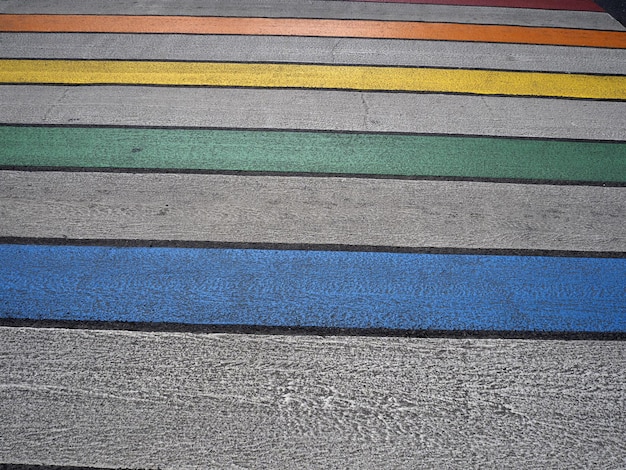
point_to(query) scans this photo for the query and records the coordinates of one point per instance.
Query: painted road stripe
(423, 13)
(261, 7)
(173, 400)
(313, 288)
(312, 50)
(313, 110)
(262, 151)
(367, 78)
(582, 5)
(313, 27)
(315, 210)
(201, 409)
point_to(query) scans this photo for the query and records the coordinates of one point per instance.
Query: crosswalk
(448, 168)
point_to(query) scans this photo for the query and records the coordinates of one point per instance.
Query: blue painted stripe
(313, 288)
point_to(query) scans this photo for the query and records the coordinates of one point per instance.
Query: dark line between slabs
(306, 331)
(292, 174)
(311, 131)
(412, 92)
(128, 243)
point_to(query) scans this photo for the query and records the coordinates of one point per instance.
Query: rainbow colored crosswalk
(312, 234)
(395, 166)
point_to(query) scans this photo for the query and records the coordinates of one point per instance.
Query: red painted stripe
(573, 5)
(311, 27)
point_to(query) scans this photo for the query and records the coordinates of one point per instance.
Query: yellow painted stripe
(482, 82)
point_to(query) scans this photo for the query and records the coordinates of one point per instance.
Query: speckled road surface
(449, 172)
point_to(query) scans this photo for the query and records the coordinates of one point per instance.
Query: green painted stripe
(284, 151)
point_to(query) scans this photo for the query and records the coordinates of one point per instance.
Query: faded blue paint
(313, 288)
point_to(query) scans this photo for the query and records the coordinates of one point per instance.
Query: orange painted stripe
(312, 27)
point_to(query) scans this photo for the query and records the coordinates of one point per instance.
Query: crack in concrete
(366, 110)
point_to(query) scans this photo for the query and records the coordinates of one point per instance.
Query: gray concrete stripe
(177, 400)
(313, 110)
(312, 50)
(316, 210)
(323, 9)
